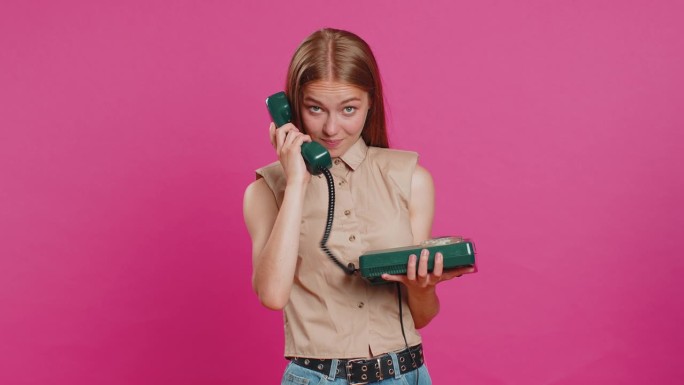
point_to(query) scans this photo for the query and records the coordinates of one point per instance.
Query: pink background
(129, 130)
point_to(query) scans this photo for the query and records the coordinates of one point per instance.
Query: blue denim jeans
(297, 375)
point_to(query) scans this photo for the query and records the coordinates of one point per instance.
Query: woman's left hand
(418, 277)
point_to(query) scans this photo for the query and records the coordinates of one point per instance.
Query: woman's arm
(422, 297)
(420, 285)
(275, 241)
(275, 232)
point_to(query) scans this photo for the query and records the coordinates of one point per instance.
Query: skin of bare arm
(275, 232)
(419, 285)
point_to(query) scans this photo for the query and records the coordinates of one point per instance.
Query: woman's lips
(331, 143)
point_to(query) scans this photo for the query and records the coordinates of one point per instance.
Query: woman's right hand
(287, 141)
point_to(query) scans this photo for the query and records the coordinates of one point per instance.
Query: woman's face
(334, 114)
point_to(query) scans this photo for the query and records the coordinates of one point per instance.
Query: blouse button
(361, 304)
(352, 238)
(347, 212)
(337, 161)
(341, 183)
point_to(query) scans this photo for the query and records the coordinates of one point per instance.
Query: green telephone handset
(315, 155)
(318, 161)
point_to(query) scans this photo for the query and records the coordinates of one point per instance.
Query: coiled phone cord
(350, 268)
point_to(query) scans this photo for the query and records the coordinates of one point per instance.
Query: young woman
(337, 326)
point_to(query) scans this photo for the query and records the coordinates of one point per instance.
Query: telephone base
(457, 252)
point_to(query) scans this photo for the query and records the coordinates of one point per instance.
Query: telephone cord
(403, 333)
(350, 268)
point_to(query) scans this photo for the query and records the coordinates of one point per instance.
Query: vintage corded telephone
(457, 252)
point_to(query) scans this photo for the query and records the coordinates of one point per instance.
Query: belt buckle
(348, 366)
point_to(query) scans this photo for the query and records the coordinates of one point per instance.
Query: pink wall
(129, 130)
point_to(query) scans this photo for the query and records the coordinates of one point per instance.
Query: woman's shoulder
(272, 174)
(389, 151)
(270, 168)
(397, 166)
(393, 157)
(270, 171)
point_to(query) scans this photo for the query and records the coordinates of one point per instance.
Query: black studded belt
(367, 370)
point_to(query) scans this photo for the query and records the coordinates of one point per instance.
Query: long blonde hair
(336, 55)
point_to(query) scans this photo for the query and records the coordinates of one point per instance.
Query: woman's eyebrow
(345, 101)
(310, 99)
(352, 99)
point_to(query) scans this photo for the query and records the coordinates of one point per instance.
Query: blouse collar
(356, 154)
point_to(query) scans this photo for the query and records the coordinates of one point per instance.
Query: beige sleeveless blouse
(331, 314)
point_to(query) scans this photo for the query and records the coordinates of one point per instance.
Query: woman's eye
(349, 110)
(315, 109)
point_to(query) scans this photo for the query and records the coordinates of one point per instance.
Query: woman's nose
(330, 126)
